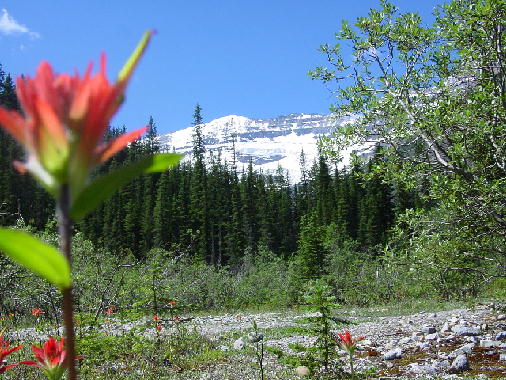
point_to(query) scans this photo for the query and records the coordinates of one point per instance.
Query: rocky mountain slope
(268, 143)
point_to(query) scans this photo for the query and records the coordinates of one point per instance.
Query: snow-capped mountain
(269, 143)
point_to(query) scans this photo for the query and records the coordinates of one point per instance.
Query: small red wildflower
(155, 318)
(4, 351)
(110, 310)
(347, 342)
(172, 303)
(37, 311)
(159, 327)
(176, 319)
(51, 358)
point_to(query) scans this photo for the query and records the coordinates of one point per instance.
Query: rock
(460, 364)
(445, 328)
(466, 349)
(501, 336)
(423, 346)
(405, 340)
(461, 330)
(302, 371)
(422, 369)
(396, 353)
(428, 329)
(501, 317)
(434, 336)
(441, 365)
(502, 357)
(239, 344)
(486, 343)
(255, 337)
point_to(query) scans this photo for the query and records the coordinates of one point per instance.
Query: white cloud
(10, 26)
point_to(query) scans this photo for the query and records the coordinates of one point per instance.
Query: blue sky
(238, 57)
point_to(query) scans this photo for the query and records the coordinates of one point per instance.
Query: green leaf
(35, 255)
(105, 186)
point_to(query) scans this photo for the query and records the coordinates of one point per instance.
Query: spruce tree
(198, 189)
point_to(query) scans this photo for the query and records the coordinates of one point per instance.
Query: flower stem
(351, 365)
(65, 230)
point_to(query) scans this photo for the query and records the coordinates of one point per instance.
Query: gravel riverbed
(458, 343)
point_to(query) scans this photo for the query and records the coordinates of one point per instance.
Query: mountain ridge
(269, 143)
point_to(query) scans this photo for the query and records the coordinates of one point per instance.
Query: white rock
(466, 349)
(405, 340)
(396, 353)
(460, 363)
(302, 371)
(441, 365)
(434, 336)
(423, 346)
(239, 344)
(422, 369)
(462, 330)
(489, 343)
(428, 329)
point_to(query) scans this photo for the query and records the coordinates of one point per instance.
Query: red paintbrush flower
(64, 120)
(51, 358)
(4, 351)
(37, 311)
(159, 327)
(347, 342)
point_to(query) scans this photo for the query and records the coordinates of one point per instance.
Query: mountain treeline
(209, 207)
(218, 212)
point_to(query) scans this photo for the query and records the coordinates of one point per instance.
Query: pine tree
(149, 188)
(311, 253)
(324, 195)
(198, 189)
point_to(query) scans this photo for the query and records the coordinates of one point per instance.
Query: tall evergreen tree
(198, 189)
